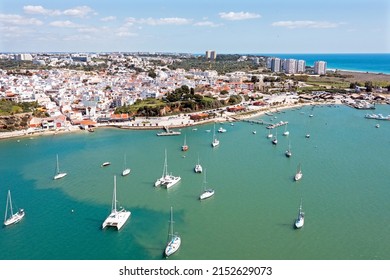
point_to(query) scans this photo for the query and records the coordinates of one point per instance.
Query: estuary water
(345, 191)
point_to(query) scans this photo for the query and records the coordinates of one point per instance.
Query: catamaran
(59, 174)
(174, 240)
(207, 191)
(198, 168)
(299, 222)
(116, 218)
(167, 180)
(11, 218)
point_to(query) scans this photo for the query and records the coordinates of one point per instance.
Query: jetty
(269, 125)
(168, 132)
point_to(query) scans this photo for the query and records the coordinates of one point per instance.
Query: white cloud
(110, 18)
(19, 20)
(64, 23)
(40, 10)
(238, 15)
(125, 34)
(207, 23)
(305, 24)
(159, 21)
(80, 11)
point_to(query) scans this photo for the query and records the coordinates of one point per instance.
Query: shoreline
(175, 123)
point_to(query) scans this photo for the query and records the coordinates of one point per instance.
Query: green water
(345, 191)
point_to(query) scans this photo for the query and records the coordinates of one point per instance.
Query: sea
(360, 62)
(345, 191)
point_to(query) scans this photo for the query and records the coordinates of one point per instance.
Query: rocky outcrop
(14, 122)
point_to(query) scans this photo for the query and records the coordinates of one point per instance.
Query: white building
(275, 64)
(290, 66)
(301, 66)
(320, 67)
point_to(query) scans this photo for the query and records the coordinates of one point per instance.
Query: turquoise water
(345, 191)
(365, 62)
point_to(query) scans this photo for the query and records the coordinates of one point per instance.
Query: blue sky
(243, 26)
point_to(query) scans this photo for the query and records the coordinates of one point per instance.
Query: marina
(245, 166)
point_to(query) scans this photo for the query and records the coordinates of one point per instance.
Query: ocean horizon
(359, 62)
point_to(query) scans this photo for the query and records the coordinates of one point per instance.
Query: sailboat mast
(58, 166)
(6, 208)
(171, 223)
(113, 204)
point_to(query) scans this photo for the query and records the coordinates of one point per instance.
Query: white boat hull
(116, 219)
(206, 194)
(198, 168)
(298, 176)
(215, 143)
(60, 175)
(126, 172)
(299, 222)
(15, 218)
(173, 245)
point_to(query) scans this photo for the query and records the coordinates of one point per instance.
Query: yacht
(116, 218)
(221, 130)
(207, 192)
(167, 180)
(300, 221)
(174, 239)
(198, 168)
(298, 175)
(10, 217)
(215, 142)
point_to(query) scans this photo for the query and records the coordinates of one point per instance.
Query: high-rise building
(301, 66)
(275, 64)
(290, 66)
(211, 55)
(320, 67)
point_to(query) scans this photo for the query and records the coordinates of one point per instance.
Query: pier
(269, 125)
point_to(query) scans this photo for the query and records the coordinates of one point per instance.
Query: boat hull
(172, 246)
(206, 194)
(60, 175)
(126, 172)
(116, 219)
(15, 218)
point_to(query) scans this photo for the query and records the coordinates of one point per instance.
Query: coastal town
(83, 91)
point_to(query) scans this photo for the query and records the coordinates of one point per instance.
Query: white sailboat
(275, 140)
(198, 168)
(288, 151)
(215, 142)
(207, 191)
(300, 221)
(11, 218)
(185, 146)
(59, 174)
(116, 218)
(286, 132)
(269, 133)
(174, 240)
(167, 180)
(298, 175)
(126, 171)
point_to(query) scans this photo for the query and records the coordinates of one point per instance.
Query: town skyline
(196, 26)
